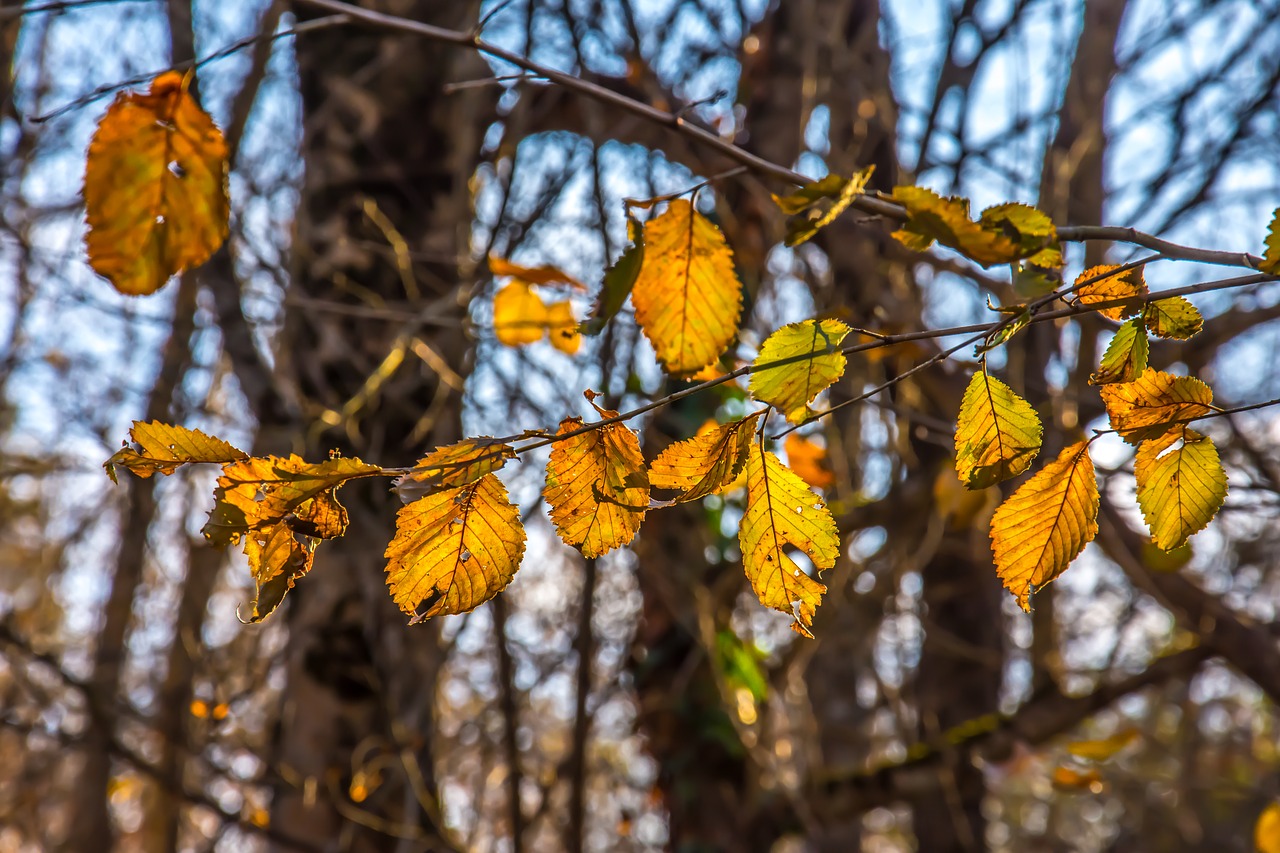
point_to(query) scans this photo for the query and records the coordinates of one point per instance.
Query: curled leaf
(802, 227)
(453, 465)
(155, 187)
(1005, 233)
(1126, 356)
(706, 463)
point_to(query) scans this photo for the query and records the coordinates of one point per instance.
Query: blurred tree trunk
(388, 156)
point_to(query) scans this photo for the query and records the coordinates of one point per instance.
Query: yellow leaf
(1128, 285)
(259, 492)
(1006, 233)
(454, 549)
(706, 463)
(562, 328)
(1106, 748)
(1154, 404)
(519, 315)
(801, 228)
(155, 187)
(1181, 485)
(1126, 356)
(997, 434)
(1046, 523)
(1266, 832)
(278, 556)
(810, 194)
(791, 387)
(809, 461)
(453, 465)
(163, 447)
(596, 486)
(1172, 318)
(782, 511)
(1271, 259)
(687, 296)
(1070, 779)
(533, 275)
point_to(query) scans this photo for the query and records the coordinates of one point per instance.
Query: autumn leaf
(619, 280)
(278, 557)
(809, 461)
(801, 228)
(1174, 318)
(502, 268)
(1126, 355)
(1005, 234)
(1045, 524)
(1181, 485)
(597, 487)
(1271, 265)
(1154, 404)
(782, 511)
(810, 194)
(1066, 778)
(256, 493)
(997, 434)
(1101, 287)
(454, 549)
(519, 315)
(562, 328)
(452, 466)
(687, 296)
(1106, 748)
(791, 387)
(163, 447)
(1266, 832)
(155, 187)
(706, 463)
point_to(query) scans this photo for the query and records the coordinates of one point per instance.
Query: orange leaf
(1128, 285)
(1154, 404)
(597, 487)
(809, 461)
(706, 463)
(533, 275)
(155, 187)
(562, 328)
(453, 465)
(687, 296)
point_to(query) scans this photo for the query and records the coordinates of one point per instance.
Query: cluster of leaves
(155, 190)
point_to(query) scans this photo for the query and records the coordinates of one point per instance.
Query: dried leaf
(454, 549)
(1174, 318)
(687, 296)
(998, 434)
(1181, 485)
(1128, 285)
(453, 465)
(503, 268)
(1046, 523)
(706, 463)
(1006, 233)
(809, 461)
(781, 512)
(1126, 356)
(810, 194)
(802, 227)
(278, 557)
(164, 447)
(1154, 404)
(155, 187)
(596, 486)
(256, 493)
(791, 387)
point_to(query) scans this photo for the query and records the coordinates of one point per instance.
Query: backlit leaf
(1066, 778)
(1106, 748)
(155, 187)
(532, 275)
(706, 463)
(1266, 832)
(996, 240)
(687, 296)
(452, 466)
(782, 512)
(278, 557)
(619, 280)
(1154, 404)
(802, 227)
(791, 387)
(597, 487)
(1128, 285)
(1045, 524)
(562, 328)
(1271, 262)
(1172, 318)
(809, 461)
(519, 315)
(454, 549)
(1030, 228)
(810, 194)
(997, 434)
(1181, 485)
(163, 447)
(1126, 355)
(259, 492)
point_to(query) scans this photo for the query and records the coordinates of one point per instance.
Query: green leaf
(618, 281)
(1126, 355)
(1181, 485)
(997, 434)
(810, 194)
(1271, 260)
(1172, 318)
(791, 387)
